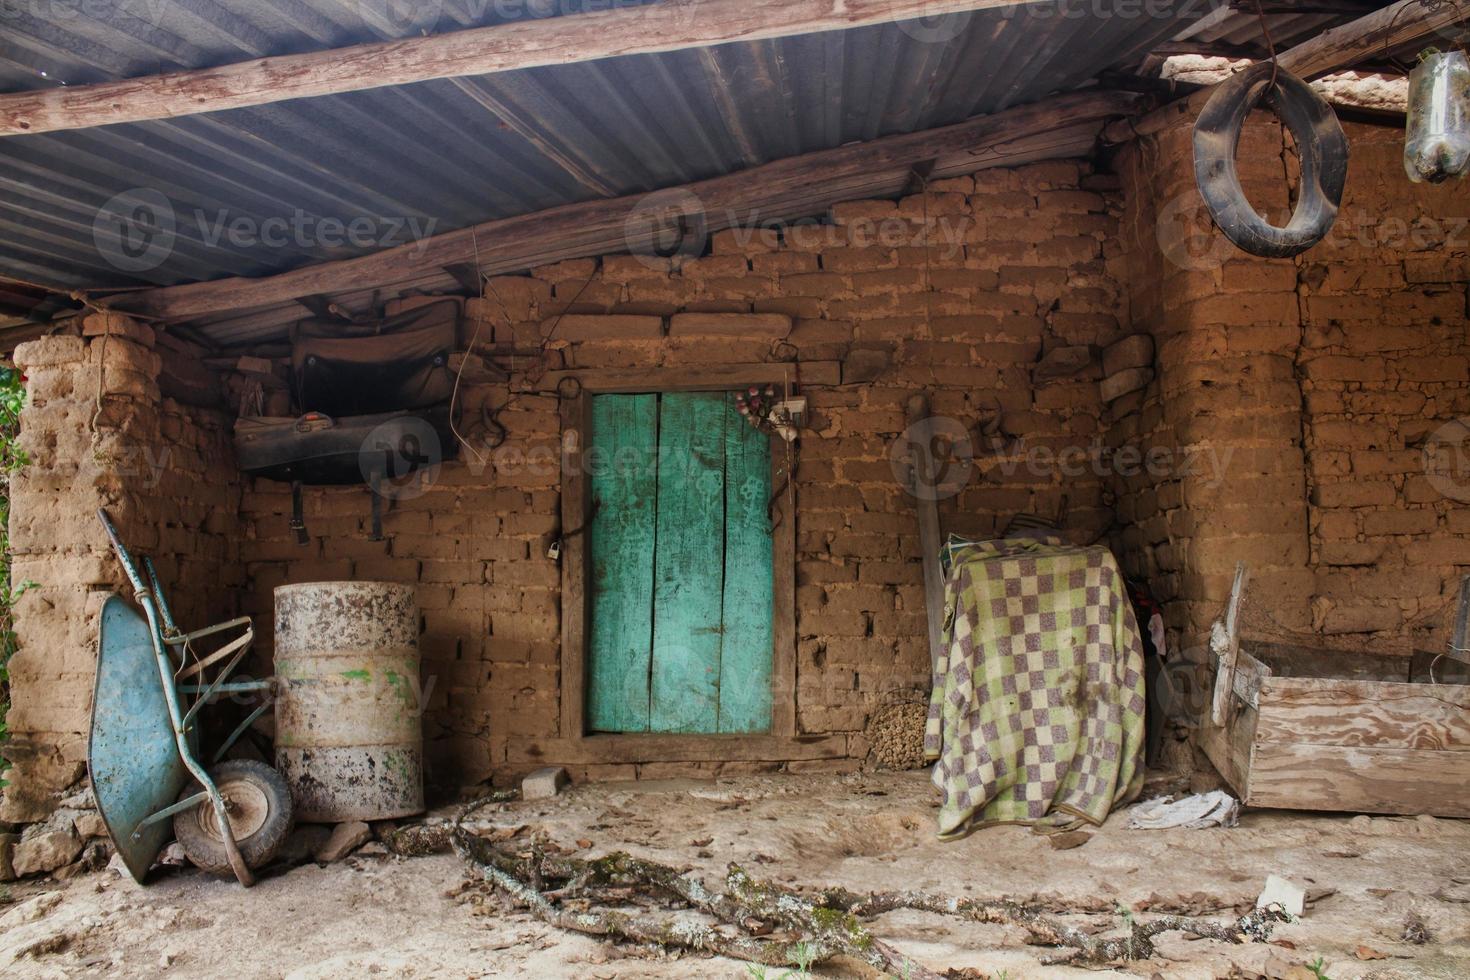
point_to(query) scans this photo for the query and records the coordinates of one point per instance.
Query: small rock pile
(896, 735)
(71, 841)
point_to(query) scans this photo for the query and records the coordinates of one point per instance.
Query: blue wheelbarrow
(143, 752)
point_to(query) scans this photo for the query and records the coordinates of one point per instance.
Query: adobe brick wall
(1385, 369)
(1018, 265)
(1289, 401)
(1314, 382)
(166, 475)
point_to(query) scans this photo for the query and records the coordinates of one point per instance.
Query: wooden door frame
(781, 742)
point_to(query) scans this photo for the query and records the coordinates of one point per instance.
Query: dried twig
(592, 897)
(1137, 945)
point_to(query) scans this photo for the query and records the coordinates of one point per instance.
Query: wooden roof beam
(1336, 49)
(672, 25)
(783, 189)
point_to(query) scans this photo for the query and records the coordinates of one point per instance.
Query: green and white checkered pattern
(1037, 709)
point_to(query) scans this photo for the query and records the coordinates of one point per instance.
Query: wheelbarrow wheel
(259, 804)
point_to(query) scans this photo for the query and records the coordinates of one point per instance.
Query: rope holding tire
(1320, 143)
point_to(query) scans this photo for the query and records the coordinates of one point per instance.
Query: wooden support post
(922, 480)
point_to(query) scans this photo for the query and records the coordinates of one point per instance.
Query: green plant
(1127, 916)
(805, 954)
(12, 458)
(1319, 969)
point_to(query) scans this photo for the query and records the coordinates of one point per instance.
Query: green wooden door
(680, 632)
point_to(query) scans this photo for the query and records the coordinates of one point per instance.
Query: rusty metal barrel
(348, 736)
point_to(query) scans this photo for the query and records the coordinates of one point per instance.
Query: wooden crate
(1321, 729)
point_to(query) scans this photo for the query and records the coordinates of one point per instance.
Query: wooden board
(1368, 780)
(622, 477)
(745, 651)
(1364, 714)
(922, 481)
(688, 571)
(788, 188)
(1229, 748)
(576, 424)
(711, 377)
(530, 42)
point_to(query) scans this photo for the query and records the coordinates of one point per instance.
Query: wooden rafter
(780, 190)
(670, 25)
(1336, 49)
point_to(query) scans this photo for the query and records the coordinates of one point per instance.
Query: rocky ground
(376, 913)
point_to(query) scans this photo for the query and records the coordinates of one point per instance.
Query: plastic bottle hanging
(1437, 142)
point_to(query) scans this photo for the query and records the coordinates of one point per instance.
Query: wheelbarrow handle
(122, 552)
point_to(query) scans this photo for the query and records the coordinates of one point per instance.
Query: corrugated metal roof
(444, 154)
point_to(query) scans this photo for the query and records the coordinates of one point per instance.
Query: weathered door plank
(622, 474)
(688, 569)
(745, 654)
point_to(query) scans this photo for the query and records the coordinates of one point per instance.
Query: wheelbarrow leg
(176, 718)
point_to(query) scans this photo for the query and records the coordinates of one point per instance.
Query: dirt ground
(381, 915)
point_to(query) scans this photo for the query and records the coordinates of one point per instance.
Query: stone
(865, 365)
(39, 774)
(577, 327)
(1278, 891)
(1115, 386)
(83, 800)
(89, 824)
(774, 326)
(345, 838)
(543, 784)
(7, 856)
(1131, 352)
(1068, 840)
(49, 351)
(117, 325)
(1061, 362)
(45, 852)
(304, 841)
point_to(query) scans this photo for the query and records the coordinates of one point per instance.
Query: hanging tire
(1320, 143)
(260, 815)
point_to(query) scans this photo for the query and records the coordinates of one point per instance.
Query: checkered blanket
(1037, 711)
